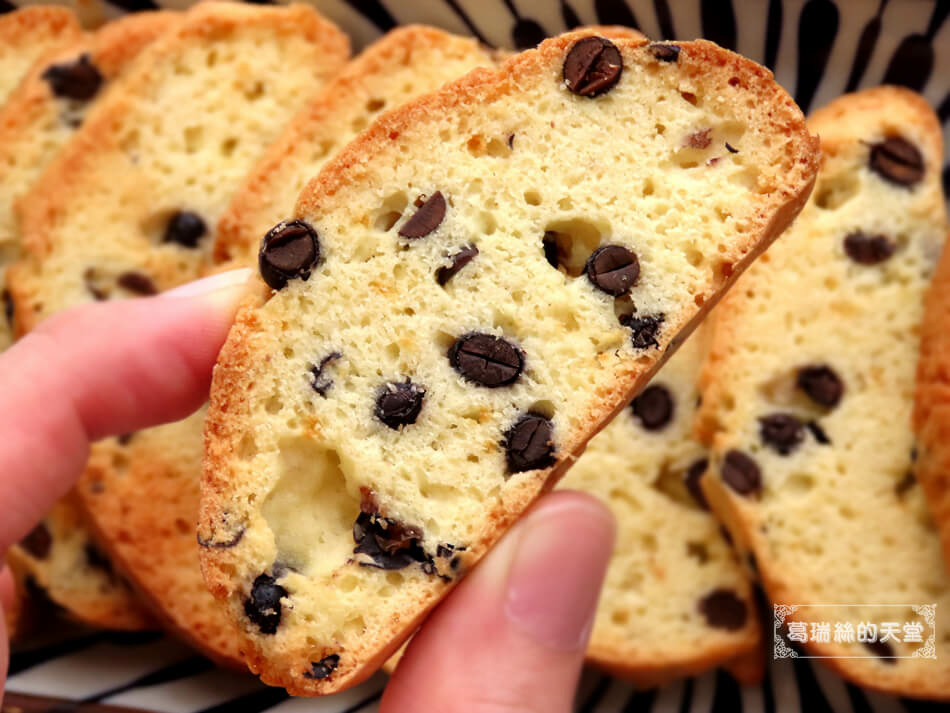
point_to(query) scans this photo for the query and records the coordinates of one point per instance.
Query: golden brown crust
(241, 354)
(932, 402)
(27, 34)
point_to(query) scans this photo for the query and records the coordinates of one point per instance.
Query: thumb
(511, 638)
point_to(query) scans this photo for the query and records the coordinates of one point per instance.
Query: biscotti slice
(145, 512)
(26, 35)
(932, 402)
(407, 62)
(130, 204)
(676, 601)
(63, 563)
(47, 107)
(809, 398)
(463, 297)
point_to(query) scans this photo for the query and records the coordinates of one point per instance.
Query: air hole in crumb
(624, 306)
(358, 124)
(545, 408)
(574, 241)
(374, 105)
(620, 617)
(391, 210)
(273, 405)
(670, 481)
(799, 483)
(532, 197)
(690, 98)
(648, 188)
(834, 191)
(695, 257)
(192, 136)
(698, 551)
(487, 223)
(247, 447)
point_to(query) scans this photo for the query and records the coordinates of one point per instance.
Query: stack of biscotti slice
(145, 513)
(676, 600)
(129, 204)
(26, 35)
(808, 396)
(47, 107)
(60, 557)
(463, 297)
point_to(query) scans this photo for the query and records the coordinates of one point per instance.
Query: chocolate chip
(882, 649)
(426, 219)
(723, 609)
(699, 139)
(486, 360)
(741, 473)
(185, 228)
(95, 558)
(399, 404)
(664, 53)
(529, 443)
(592, 66)
(691, 479)
(782, 432)
(320, 382)
(898, 161)
(388, 543)
(613, 269)
(459, 260)
(645, 329)
(74, 80)
(288, 251)
(223, 544)
(906, 483)
(323, 668)
(8, 307)
(821, 384)
(818, 432)
(38, 541)
(868, 249)
(654, 407)
(263, 606)
(730, 148)
(137, 282)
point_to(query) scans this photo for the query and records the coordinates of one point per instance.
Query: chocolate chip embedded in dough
(821, 383)
(486, 360)
(529, 443)
(653, 407)
(741, 473)
(723, 609)
(78, 80)
(398, 404)
(613, 269)
(323, 668)
(783, 432)
(592, 67)
(897, 161)
(38, 541)
(290, 250)
(263, 607)
(426, 219)
(185, 228)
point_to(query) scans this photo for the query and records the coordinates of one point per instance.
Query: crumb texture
(809, 389)
(467, 293)
(670, 555)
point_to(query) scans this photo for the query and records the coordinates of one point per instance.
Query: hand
(509, 639)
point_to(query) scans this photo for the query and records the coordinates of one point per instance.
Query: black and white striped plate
(818, 49)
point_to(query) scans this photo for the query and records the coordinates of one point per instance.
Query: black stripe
(768, 691)
(719, 22)
(812, 699)
(686, 702)
(664, 19)
(943, 111)
(182, 669)
(937, 19)
(615, 12)
(817, 29)
(375, 12)
(596, 695)
(22, 660)
(527, 34)
(134, 5)
(6, 6)
(859, 704)
(923, 706)
(946, 182)
(251, 703)
(912, 63)
(773, 33)
(571, 19)
(728, 697)
(133, 638)
(865, 49)
(463, 16)
(642, 701)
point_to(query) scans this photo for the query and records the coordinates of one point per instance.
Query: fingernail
(223, 280)
(557, 571)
